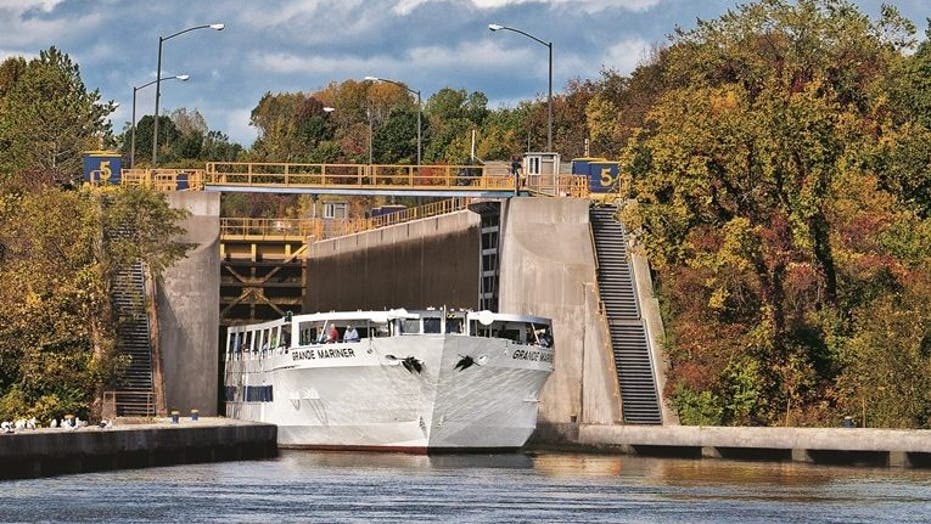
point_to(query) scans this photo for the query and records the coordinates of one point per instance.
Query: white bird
(20, 424)
(53, 423)
(105, 424)
(6, 426)
(32, 423)
(78, 423)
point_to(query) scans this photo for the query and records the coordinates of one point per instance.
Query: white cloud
(26, 31)
(404, 7)
(21, 6)
(7, 53)
(483, 55)
(238, 128)
(626, 55)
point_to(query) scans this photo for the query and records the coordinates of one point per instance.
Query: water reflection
(546, 487)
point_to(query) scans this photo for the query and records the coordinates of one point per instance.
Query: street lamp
(158, 84)
(549, 133)
(414, 91)
(132, 150)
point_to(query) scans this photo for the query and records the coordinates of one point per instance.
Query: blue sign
(102, 167)
(602, 174)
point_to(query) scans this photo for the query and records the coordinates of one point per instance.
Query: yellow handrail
(280, 229)
(353, 176)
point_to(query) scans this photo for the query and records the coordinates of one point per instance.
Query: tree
(167, 138)
(395, 140)
(290, 125)
(57, 328)
(768, 113)
(47, 115)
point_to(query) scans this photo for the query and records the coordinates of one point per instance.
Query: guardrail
(279, 229)
(359, 176)
(269, 228)
(354, 176)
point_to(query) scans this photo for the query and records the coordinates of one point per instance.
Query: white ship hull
(361, 395)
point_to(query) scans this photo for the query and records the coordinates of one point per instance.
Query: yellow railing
(281, 229)
(165, 179)
(269, 228)
(353, 176)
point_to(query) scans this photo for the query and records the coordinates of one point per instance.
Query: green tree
(47, 115)
(57, 330)
(768, 114)
(168, 136)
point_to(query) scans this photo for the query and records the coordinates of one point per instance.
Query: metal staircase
(135, 394)
(632, 358)
(490, 251)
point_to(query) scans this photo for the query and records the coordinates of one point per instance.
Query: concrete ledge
(870, 447)
(48, 452)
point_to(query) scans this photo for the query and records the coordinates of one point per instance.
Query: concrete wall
(428, 262)
(840, 446)
(656, 334)
(56, 451)
(548, 269)
(189, 309)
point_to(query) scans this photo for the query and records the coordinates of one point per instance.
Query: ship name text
(533, 356)
(322, 353)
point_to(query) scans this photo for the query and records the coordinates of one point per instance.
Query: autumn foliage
(778, 187)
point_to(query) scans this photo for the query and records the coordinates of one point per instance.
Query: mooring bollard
(175, 416)
(195, 415)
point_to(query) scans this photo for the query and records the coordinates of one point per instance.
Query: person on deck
(351, 335)
(333, 335)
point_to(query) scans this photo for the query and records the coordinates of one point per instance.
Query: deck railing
(283, 229)
(354, 176)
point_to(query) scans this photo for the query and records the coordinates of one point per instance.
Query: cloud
(626, 55)
(22, 6)
(21, 29)
(483, 55)
(238, 128)
(405, 7)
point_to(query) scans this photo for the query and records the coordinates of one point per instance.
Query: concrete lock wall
(548, 269)
(189, 309)
(428, 262)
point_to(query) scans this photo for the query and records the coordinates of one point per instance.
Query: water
(549, 487)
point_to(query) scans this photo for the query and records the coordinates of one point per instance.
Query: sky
(303, 45)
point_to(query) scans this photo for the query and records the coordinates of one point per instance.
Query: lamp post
(549, 98)
(158, 84)
(413, 91)
(132, 150)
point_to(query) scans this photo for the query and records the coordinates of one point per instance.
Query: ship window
(285, 336)
(379, 330)
(454, 325)
(431, 325)
(410, 326)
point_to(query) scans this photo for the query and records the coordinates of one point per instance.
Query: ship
(428, 381)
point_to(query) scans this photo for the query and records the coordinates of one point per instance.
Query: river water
(547, 487)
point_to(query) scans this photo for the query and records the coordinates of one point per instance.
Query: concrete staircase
(135, 395)
(632, 357)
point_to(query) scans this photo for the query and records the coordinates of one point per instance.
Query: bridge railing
(269, 228)
(355, 175)
(281, 229)
(165, 179)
